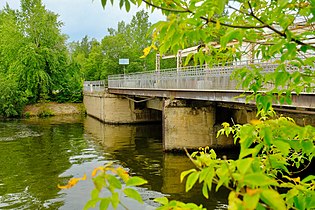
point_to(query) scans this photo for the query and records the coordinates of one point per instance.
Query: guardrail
(94, 86)
(192, 77)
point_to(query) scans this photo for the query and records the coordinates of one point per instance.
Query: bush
(12, 100)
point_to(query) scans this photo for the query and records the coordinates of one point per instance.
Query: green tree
(98, 60)
(128, 41)
(93, 65)
(44, 54)
(34, 57)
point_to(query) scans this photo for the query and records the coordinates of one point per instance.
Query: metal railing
(216, 77)
(94, 86)
(191, 77)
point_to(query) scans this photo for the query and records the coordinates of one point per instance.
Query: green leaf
(104, 203)
(260, 207)
(273, 199)
(113, 181)
(188, 58)
(267, 134)
(281, 78)
(99, 182)
(244, 164)
(299, 202)
(304, 48)
(205, 190)
(213, 155)
(115, 200)
(127, 5)
(251, 200)
(276, 47)
(91, 204)
(136, 181)
(121, 4)
(104, 3)
(185, 173)
(191, 180)
(245, 152)
(308, 146)
(284, 147)
(230, 35)
(131, 193)
(308, 178)
(282, 3)
(94, 194)
(259, 179)
(223, 180)
(204, 173)
(162, 200)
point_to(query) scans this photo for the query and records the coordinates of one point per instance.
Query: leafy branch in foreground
(263, 176)
(113, 180)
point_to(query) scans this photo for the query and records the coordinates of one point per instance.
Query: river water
(38, 154)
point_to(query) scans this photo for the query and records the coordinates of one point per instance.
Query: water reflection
(139, 149)
(31, 161)
(37, 154)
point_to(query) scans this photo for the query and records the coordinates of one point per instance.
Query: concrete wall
(111, 108)
(189, 127)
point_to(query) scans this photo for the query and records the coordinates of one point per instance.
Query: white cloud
(87, 17)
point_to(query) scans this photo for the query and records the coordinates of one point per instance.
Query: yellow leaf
(72, 182)
(217, 25)
(123, 174)
(146, 51)
(225, 125)
(296, 180)
(100, 168)
(255, 122)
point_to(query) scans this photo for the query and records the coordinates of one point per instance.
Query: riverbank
(53, 109)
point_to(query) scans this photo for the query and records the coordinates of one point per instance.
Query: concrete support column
(187, 126)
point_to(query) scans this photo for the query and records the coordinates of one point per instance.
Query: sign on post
(124, 61)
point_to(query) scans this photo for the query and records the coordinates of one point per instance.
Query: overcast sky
(86, 17)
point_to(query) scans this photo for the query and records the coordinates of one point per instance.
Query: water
(36, 155)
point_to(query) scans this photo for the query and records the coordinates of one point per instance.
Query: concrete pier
(117, 109)
(187, 126)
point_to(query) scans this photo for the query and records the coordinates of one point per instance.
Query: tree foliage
(34, 58)
(97, 59)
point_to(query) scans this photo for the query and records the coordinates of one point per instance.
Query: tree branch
(164, 8)
(283, 34)
(214, 21)
(208, 20)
